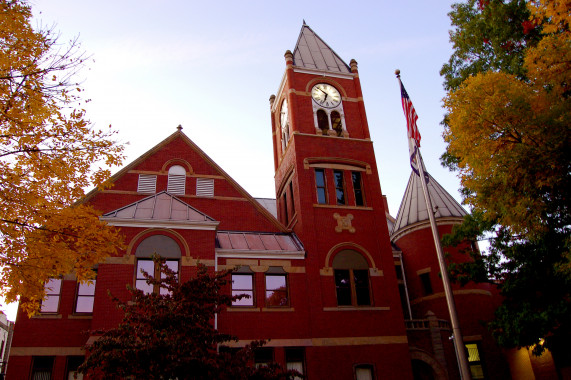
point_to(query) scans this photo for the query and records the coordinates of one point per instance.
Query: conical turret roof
(413, 209)
(311, 52)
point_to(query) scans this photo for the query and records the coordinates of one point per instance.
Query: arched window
(336, 123)
(284, 122)
(165, 247)
(177, 179)
(322, 121)
(351, 272)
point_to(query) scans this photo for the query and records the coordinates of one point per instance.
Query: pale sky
(211, 66)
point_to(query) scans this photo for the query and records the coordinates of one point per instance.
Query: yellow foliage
(549, 63)
(513, 138)
(49, 153)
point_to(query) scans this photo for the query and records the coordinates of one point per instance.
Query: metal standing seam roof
(159, 207)
(258, 241)
(413, 206)
(311, 52)
(269, 204)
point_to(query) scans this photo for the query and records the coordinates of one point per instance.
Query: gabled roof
(311, 52)
(413, 209)
(160, 208)
(179, 134)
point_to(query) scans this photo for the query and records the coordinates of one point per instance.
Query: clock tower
(328, 193)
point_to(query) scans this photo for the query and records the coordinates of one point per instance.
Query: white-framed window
(85, 297)
(147, 184)
(50, 304)
(177, 180)
(205, 187)
(243, 282)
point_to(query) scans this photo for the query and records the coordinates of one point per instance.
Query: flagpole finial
(397, 73)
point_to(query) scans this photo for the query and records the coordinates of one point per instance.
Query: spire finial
(397, 73)
(179, 127)
(304, 22)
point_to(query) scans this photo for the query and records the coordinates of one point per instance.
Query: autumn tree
(509, 139)
(49, 153)
(172, 335)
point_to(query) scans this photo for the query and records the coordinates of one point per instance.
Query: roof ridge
(316, 58)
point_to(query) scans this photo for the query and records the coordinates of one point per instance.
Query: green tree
(49, 153)
(509, 139)
(172, 335)
(488, 35)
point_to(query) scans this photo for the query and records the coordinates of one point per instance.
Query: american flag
(411, 116)
(412, 131)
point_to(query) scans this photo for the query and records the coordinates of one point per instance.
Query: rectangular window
(404, 301)
(295, 360)
(339, 186)
(320, 186)
(343, 287)
(291, 198)
(243, 284)
(276, 290)
(50, 303)
(361, 280)
(426, 284)
(85, 297)
(352, 287)
(364, 372)
(42, 367)
(358, 188)
(205, 187)
(286, 216)
(263, 356)
(73, 363)
(474, 361)
(147, 184)
(149, 266)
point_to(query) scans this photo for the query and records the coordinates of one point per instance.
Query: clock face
(326, 95)
(283, 114)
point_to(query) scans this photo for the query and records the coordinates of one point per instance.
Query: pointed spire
(311, 52)
(413, 210)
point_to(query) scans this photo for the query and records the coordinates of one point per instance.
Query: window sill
(287, 309)
(244, 308)
(80, 316)
(365, 208)
(357, 308)
(47, 316)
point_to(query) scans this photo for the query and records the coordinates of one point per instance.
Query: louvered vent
(204, 187)
(176, 184)
(147, 184)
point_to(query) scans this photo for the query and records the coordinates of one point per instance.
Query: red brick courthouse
(342, 289)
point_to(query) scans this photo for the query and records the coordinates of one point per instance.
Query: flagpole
(456, 333)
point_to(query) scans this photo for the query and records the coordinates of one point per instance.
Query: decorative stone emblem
(344, 223)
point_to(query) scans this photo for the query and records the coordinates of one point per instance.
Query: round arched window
(351, 272)
(163, 246)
